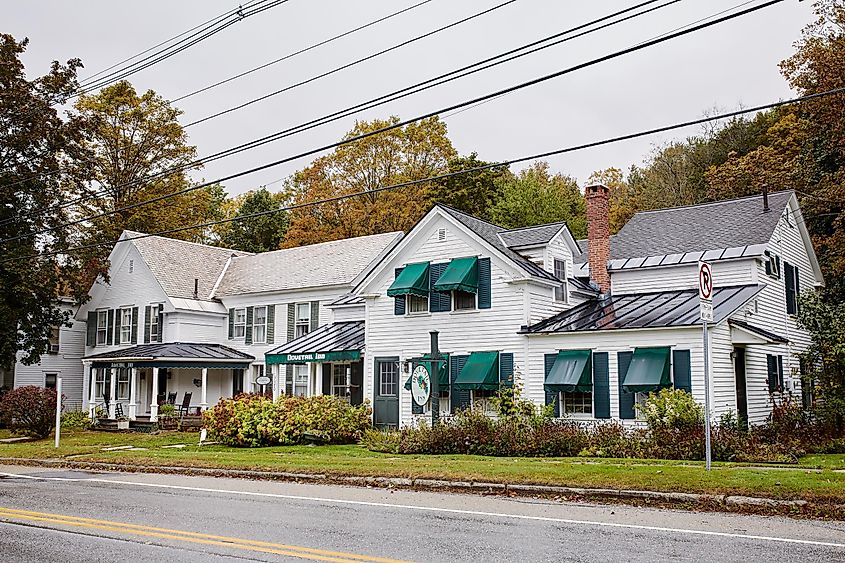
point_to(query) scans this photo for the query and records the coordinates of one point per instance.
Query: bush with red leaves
(29, 410)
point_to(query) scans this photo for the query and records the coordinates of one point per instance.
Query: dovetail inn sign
(346, 355)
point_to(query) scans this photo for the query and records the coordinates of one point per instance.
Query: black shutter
(458, 399)
(160, 337)
(484, 283)
(110, 327)
(288, 380)
(315, 315)
(552, 396)
(506, 368)
(91, 334)
(399, 300)
(327, 379)
(291, 329)
(797, 289)
(147, 324)
(626, 400)
(248, 328)
(601, 384)
(231, 324)
(789, 282)
(681, 370)
(271, 324)
(780, 373)
(438, 301)
(133, 338)
(772, 372)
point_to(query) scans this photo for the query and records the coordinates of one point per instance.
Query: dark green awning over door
(460, 275)
(572, 372)
(481, 372)
(648, 371)
(412, 280)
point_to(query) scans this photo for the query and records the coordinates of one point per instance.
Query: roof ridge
(324, 243)
(541, 225)
(709, 203)
(455, 210)
(211, 246)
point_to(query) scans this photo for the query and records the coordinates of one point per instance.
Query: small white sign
(420, 385)
(706, 308)
(262, 380)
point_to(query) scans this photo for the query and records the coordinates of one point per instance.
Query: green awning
(572, 372)
(481, 372)
(413, 280)
(461, 274)
(648, 371)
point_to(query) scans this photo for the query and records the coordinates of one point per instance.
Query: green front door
(386, 393)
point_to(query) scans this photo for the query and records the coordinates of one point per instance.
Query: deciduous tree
(259, 234)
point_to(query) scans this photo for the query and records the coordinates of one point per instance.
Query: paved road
(79, 516)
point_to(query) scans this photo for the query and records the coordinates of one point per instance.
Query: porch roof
(174, 355)
(331, 342)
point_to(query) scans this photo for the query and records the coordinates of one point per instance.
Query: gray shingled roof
(490, 233)
(176, 263)
(725, 224)
(328, 263)
(531, 236)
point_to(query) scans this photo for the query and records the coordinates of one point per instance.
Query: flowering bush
(255, 420)
(29, 410)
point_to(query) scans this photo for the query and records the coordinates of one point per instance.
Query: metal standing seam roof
(176, 350)
(347, 299)
(645, 310)
(335, 337)
(757, 330)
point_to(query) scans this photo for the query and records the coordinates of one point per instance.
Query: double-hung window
(417, 304)
(123, 384)
(303, 319)
(100, 383)
(300, 380)
(340, 381)
(240, 323)
(561, 291)
(53, 340)
(259, 325)
(388, 376)
(50, 380)
(577, 403)
(154, 328)
(463, 300)
(102, 327)
(125, 325)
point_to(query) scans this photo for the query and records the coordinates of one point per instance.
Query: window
(772, 261)
(463, 300)
(303, 319)
(100, 383)
(154, 328)
(125, 325)
(577, 403)
(388, 379)
(50, 380)
(102, 327)
(258, 371)
(417, 304)
(237, 381)
(561, 292)
(53, 340)
(340, 381)
(300, 380)
(259, 325)
(792, 288)
(240, 323)
(483, 400)
(639, 404)
(123, 384)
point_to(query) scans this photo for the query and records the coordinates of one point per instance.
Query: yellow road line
(192, 537)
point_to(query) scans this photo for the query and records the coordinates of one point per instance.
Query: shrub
(166, 410)
(254, 420)
(76, 420)
(672, 409)
(384, 441)
(29, 410)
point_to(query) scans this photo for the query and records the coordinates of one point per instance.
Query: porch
(134, 382)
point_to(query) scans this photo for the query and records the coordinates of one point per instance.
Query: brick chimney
(598, 234)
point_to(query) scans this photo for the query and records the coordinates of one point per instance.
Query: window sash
(577, 403)
(122, 390)
(100, 383)
(102, 327)
(417, 304)
(303, 312)
(300, 380)
(153, 323)
(125, 326)
(53, 339)
(388, 379)
(561, 291)
(259, 325)
(463, 301)
(50, 380)
(240, 323)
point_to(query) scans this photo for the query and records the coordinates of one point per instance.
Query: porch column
(92, 392)
(249, 386)
(154, 400)
(283, 378)
(133, 393)
(112, 392)
(204, 390)
(276, 381)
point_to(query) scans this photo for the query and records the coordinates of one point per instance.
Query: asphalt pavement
(48, 515)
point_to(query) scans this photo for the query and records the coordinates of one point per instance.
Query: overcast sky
(723, 67)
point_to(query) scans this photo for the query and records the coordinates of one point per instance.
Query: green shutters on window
(231, 324)
(484, 293)
(552, 395)
(110, 328)
(147, 324)
(248, 328)
(681, 370)
(601, 385)
(399, 300)
(774, 371)
(271, 324)
(315, 315)
(626, 400)
(438, 301)
(91, 329)
(133, 338)
(458, 398)
(506, 368)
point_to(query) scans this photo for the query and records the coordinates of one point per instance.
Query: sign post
(58, 410)
(705, 299)
(436, 359)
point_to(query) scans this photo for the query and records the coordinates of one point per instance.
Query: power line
(300, 51)
(500, 164)
(350, 64)
(409, 90)
(166, 54)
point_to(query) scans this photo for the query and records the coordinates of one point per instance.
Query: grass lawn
(825, 485)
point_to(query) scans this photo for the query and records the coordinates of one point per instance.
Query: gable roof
(336, 262)
(177, 263)
(733, 223)
(489, 233)
(536, 235)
